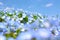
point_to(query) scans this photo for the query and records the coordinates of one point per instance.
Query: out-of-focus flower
(21, 25)
(43, 33)
(11, 39)
(46, 24)
(24, 36)
(2, 37)
(24, 15)
(2, 25)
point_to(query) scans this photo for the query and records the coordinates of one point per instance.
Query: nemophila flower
(7, 19)
(2, 25)
(31, 15)
(35, 24)
(20, 25)
(40, 16)
(11, 22)
(24, 15)
(58, 28)
(40, 20)
(46, 24)
(1, 31)
(54, 21)
(43, 33)
(3, 17)
(27, 27)
(16, 24)
(30, 20)
(23, 29)
(2, 37)
(12, 29)
(57, 38)
(21, 18)
(17, 19)
(11, 39)
(5, 30)
(24, 36)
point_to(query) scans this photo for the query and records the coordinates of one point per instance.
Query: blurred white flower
(43, 33)
(56, 32)
(40, 15)
(23, 29)
(22, 24)
(31, 15)
(3, 17)
(41, 20)
(8, 18)
(53, 18)
(24, 36)
(46, 24)
(58, 28)
(21, 19)
(2, 37)
(2, 25)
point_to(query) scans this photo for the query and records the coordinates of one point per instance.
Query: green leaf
(1, 20)
(7, 35)
(20, 14)
(18, 31)
(35, 17)
(13, 35)
(25, 20)
(10, 15)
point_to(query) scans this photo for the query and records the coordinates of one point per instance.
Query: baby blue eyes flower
(43, 33)
(2, 25)
(59, 28)
(11, 39)
(24, 15)
(2, 37)
(24, 36)
(18, 25)
(46, 24)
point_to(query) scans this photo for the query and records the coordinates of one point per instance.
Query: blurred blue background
(46, 7)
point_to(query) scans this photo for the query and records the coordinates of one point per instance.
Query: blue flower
(24, 36)
(2, 37)
(43, 33)
(10, 38)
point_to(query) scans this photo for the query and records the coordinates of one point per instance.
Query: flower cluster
(20, 25)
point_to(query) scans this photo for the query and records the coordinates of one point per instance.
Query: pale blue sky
(46, 7)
